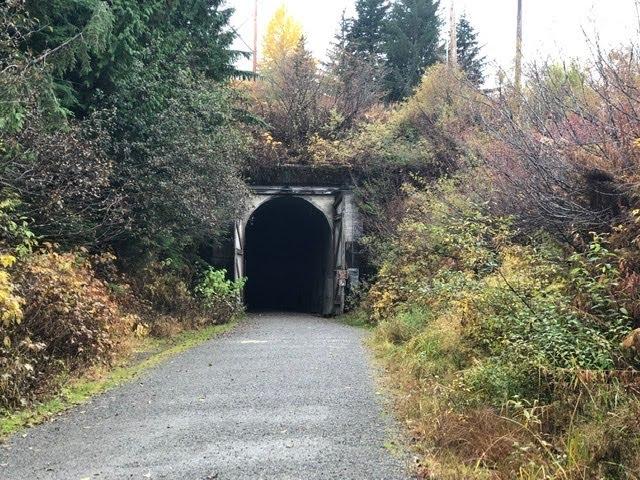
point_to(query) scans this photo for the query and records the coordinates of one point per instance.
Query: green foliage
(519, 306)
(129, 171)
(399, 40)
(180, 155)
(94, 43)
(479, 317)
(15, 233)
(412, 44)
(366, 32)
(25, 82)
(220, 298)
(214, 284)
(65, 183)
(116, 134)
(469, 52)
(414, 141)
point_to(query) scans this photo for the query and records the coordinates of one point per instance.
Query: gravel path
(284, 396)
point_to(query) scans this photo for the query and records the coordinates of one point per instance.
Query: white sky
(552, 28)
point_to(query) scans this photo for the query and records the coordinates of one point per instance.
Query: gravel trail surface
(284, 396)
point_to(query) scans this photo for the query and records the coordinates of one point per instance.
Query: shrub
(221, 299)
(69, 321)
(164, 285)
(10, 302)
(477, 319)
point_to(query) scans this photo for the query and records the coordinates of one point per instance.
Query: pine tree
(339, 54)
(350, 79)
(109, 37)
(412, 44)
(366, 30)
(470, 57)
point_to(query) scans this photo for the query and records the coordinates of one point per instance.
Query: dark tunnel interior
(286, 252)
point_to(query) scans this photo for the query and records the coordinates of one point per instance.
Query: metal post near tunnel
(238, 242)
(339, 256)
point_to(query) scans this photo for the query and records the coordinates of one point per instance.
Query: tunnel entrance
(288, 242)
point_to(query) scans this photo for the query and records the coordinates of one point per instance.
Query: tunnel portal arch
(287, 256)
(294, 246)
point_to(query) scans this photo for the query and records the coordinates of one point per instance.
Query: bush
(164, 285)
(10, 302)
(510, 339)
(221, 299)
(69, 321)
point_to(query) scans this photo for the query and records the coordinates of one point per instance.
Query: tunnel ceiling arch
(287, 256)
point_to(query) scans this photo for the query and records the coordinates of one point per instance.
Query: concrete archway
(287, 248)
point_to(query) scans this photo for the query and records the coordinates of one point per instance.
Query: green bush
(220, 298)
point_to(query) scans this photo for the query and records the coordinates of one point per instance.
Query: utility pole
(255, 37)
(518, 73)
(453, 36)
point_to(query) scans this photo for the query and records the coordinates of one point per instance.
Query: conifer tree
(112, 36)
(470, 56)
(350, 79)
(367, 29)
(412, 44)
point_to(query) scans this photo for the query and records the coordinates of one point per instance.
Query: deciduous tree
(290, 99)
(282, 36)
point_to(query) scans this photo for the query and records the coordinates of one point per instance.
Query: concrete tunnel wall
(322, 199)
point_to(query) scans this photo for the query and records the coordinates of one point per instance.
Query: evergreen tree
(412, 44)
(147, 77)
(339, 54)
(470, 57)
(366, 30)
(350, 79)
(112, 36)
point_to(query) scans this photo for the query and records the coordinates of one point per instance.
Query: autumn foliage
(68, 320)
(506, 297)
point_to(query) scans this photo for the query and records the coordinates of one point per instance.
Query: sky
(553, 29)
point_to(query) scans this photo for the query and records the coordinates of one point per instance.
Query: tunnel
(287, 245)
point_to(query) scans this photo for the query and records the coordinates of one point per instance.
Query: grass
(356, 318)
(79, 390)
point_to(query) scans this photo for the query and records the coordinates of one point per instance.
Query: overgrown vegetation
(505, 302)
(501, 227)
(508, 349)
(377, 59)
(121, 149)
